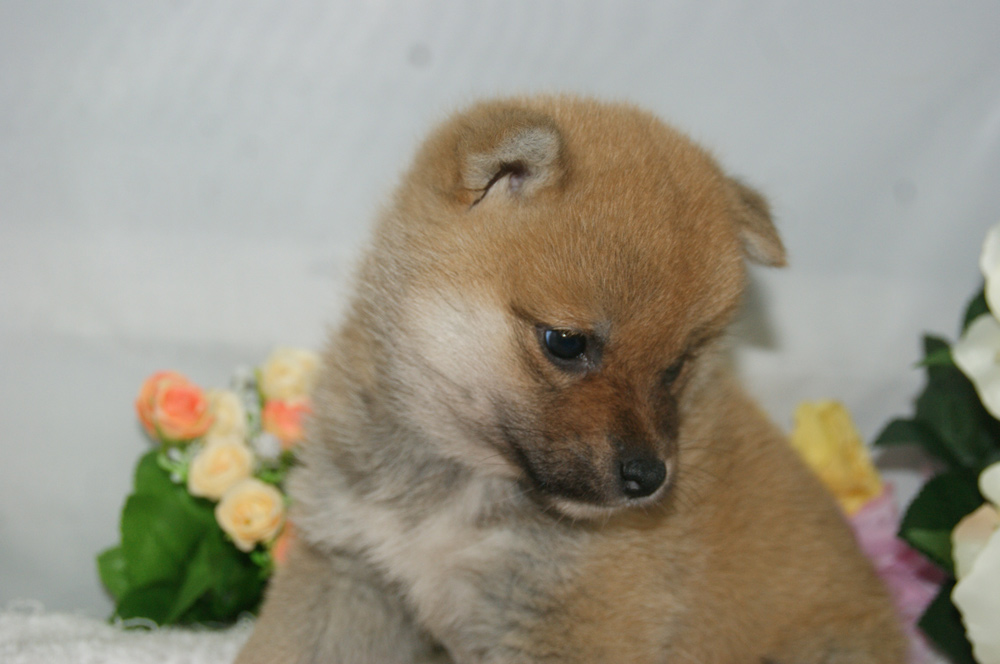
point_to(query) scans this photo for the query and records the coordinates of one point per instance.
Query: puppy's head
(558, 274)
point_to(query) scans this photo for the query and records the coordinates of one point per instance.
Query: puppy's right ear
(495, 152)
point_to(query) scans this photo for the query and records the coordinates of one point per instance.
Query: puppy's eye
(564, 344)
(673, 372)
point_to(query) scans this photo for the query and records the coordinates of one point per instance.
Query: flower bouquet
(205, 524)
(954, 519)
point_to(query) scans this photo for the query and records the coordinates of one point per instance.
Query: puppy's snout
(642, 476)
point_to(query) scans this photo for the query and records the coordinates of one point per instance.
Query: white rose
(251, 512)
(989, 264)
(289, 373)
(229, 413)
(220, 464)
(976, 551)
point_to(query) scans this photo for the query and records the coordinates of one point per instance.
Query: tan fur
(464, 495)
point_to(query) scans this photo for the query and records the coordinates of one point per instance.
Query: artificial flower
(977, 354)
(219, 465)
(827, 440)
(289, 373)
(282, 544)
(228, 413)
(976, 551)
(251, 512)
(285, 420)
(172, 409)
(989, 263)
(911, 579)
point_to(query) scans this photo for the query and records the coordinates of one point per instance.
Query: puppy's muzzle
(641, 476)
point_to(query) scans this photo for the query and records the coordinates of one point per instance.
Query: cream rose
(976, 551)
(251, 512)
(230, 417)
(219, 465)
(288, 374)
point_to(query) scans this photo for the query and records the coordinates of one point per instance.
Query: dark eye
(673, 372)
(564, 344)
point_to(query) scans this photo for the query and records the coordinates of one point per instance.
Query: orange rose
(285, 419)
(171, 408)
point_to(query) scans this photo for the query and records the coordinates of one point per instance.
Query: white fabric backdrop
(185, 184)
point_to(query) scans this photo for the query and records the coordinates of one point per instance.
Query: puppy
(527, 446)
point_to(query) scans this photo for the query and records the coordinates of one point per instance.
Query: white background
(186, 184)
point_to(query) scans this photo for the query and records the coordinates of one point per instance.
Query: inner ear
(516, 174)
(515, 154)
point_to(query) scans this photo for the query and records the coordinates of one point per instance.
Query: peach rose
(285, 419)
(228, 414)
(289, 373)
(219, 465)
(282, 545)
(251, 512)
(172, 408)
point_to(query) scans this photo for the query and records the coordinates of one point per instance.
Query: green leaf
(157, 539)
(940, 357)
(150, 478)
(150, 602)
(239, 584)
(942, 623)
(912, 432)
(934, 344)
(976, 308)
(197, 580)
(111, 568)
(935, 544)
(935, 511)
(951, 408)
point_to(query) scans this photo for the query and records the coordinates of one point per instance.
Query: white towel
(30, 635)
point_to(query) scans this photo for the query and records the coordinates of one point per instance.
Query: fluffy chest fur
(470, 560)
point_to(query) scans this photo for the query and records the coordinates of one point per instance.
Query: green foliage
(174, 565)
(942, 624)
(951, 425)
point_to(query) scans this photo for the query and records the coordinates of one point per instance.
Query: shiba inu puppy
(528, 446)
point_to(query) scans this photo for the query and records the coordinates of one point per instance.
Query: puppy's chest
(454, 569)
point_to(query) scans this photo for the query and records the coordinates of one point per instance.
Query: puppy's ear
(507, 152)
(752, 215)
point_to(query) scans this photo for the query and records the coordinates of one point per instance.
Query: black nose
(641, 476)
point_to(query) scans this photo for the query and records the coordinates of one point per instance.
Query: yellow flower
(251, 512)
(288, 374)
(828, 442)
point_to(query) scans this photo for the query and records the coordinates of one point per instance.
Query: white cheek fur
(456, 361)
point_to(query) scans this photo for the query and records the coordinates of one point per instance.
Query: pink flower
(912, 581)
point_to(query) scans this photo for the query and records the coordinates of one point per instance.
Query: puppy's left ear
(509, 152)
(752, 216)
